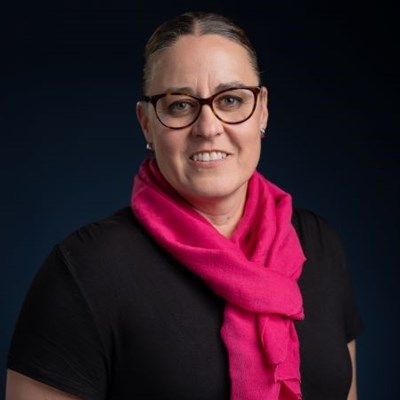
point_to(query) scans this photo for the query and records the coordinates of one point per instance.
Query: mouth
(207, 156)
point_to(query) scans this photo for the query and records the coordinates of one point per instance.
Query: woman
(210, 286)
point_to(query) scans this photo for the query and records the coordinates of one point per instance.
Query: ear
(264, 107)
(143, 118)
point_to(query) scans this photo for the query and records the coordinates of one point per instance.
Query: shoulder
(119, 223)
(306, 221)
(317, 236)
(109, 247)
(312, 226)
(108, 235)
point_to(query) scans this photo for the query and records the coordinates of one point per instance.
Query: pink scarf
(255, 271)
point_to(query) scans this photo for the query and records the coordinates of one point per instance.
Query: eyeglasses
(180, 110)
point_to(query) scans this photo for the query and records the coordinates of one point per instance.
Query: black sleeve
(352, 319)
(324, 249)
(353, 324)
(55, 339)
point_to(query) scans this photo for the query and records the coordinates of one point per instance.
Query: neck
(223, 214)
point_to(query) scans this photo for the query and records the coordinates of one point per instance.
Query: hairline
(197, 25)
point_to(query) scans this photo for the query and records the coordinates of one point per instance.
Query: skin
(217, 190)
(353, 388)
(20, 387)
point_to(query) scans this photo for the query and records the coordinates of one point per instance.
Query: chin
(214, 190)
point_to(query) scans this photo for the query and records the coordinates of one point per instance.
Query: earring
(149, 147)
(262, 131)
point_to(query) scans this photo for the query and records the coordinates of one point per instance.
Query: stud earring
(149, 147)
(262, 131)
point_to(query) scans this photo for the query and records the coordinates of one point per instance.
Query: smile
(209, 156)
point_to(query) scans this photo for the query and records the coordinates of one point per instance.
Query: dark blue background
(70, 143)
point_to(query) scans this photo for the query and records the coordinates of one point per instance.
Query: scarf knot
(255, 271)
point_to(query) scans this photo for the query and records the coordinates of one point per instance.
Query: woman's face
(204, 65)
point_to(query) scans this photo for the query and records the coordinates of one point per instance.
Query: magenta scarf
(255, 271)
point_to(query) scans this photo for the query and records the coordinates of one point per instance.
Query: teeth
(209, 156)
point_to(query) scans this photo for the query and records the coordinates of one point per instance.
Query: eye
(228, 100)
(179, 106)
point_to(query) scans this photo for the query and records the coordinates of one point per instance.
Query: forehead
(201, 63)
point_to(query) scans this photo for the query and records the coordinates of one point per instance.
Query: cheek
(250, 156)
(251, 147)
(169, 147)
(253, 153)
(162, 138)
(168, 144)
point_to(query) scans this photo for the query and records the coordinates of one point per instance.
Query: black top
(112, 316)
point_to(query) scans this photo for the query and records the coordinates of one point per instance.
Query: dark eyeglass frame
(204, 101)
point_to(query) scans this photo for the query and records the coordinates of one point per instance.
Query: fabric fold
(255, 271)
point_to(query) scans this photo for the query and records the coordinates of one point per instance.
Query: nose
(207, 124)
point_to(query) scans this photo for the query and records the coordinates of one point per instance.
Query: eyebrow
(218, 88)
(228, 85)
(185, 89)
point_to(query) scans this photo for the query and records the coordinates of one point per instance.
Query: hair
(195, 23)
